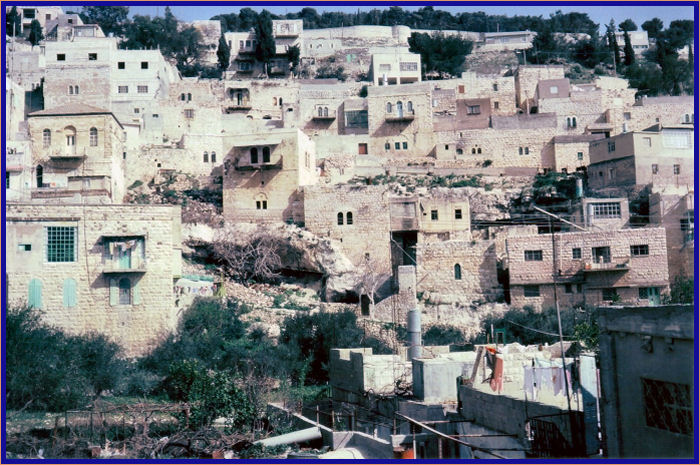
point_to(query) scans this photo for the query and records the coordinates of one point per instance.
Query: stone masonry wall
(136, 327)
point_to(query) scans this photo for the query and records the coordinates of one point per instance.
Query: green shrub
(441, 335)
(136, 184)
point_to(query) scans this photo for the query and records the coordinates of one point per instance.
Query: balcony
(67, 154)
(14, 162)
(619, 264)
(277, 70)
(244, 164)
(404, 223)
(113, 267)
(123, 253)
(323, 114)
(400, 116)
(243, 106)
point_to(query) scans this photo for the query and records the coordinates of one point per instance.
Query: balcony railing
(405, 115)
(67, 154)
(324, 115)
(112, 267)
(615, 264)
(244, 164)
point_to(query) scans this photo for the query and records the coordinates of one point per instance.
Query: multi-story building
(102, 268)
(395, 66)
(638, 39)
(77, 153)
(675, 211)
(660, 155)
(30, 13)
(263, 173)
(588, 267)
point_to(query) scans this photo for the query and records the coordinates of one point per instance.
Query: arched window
(93, 137)
(573, 122)
(205, 157)
(348, 218)
(34, 299)
(39, 176)
(387, 146)
(125, 291)
(274, 101)
(473, 151)
(458, 271)
(182, 97)
(399, 108)
(213, 157)
(70, 90)
(409, 106)
(70, 137)
(320, 111)
(460, 151)
(325, 111)
(568, 122)
(189, 97)
(478, 150)
(266, 154)
(77, 89)
(69, 293)
(340, 218)
(47, 138)
(388, 107)
(254, 155)
(280, 101)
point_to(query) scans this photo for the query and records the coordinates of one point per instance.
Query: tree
(629, 50)
(627, 25)
(612, 42)
(111, 19)
(254, 257)
(223, 53)
(294, 54)
(35, 33)
(653, 27)
(13, 23)
(440, 54)
(265, 49)
(545, 47)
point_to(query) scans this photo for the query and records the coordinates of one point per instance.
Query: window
(568, 289)
(385, 67)
(473, 109)
(495, 105)
(495, 86)
(611, 146)
(408, 66)
(34, 299)
(576, 253)
(266, 155)
(458, 271)
(244, 66)
(641, 250)
(261, 204)
(340, 218)
(611, 173)
(433, 215)
(92, 56)
(213, 157)
(579, 155)
(362, 148)
(460, 151)
(254, 155)
(606, 210)
(627, 115)
(205, 157)
(387, 146)
(405, 145)
(124, 291)
(121, 65)
(458, 214)
(189, 113)
(61, 244)
(93, 137)
(571, 122)
(397, 145)
(654, 168)
(531, 290)
(144, 65)
(668, 406)
(47, 138)
(60, 57)
(142, 89)
(70, 90)
(533, 255)
(553, 89)
(348, 218)
(579, 288)
(409, 107)
(643, 293)
(123, 89)
(460, 89)
(688, 226)
(388, 107)
(69, 293)
(676, 169)
(601, 254)
(7, 180)
(356, 119)
(610, 294)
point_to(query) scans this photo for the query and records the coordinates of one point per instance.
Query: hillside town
(256, 236)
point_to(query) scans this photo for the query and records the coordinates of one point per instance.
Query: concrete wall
(137, 327)
(651, 343)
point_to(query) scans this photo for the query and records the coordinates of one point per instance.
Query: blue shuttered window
(35, 293)
(69, 293)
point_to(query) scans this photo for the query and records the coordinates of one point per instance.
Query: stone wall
(526, 79)
(137, 326)
(675, 212)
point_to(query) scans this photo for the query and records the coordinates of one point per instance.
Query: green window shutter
(69, 293)
(35, 293)
(136, 294)
(113, 292)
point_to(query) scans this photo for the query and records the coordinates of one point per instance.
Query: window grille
(61, 244)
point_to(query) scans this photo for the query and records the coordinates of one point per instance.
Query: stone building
(675, 211)
(526, 79)
(646, 373)
(661, 156)
(77, 153)
(592, 267)
(395, 66)
(41, 13)
(666, 110)
(570, 153)
(638, 39)
(103, 268)
(263, 174)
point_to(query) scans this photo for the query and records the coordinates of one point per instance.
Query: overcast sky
(600, 14)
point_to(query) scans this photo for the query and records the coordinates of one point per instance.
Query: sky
(600, 14)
